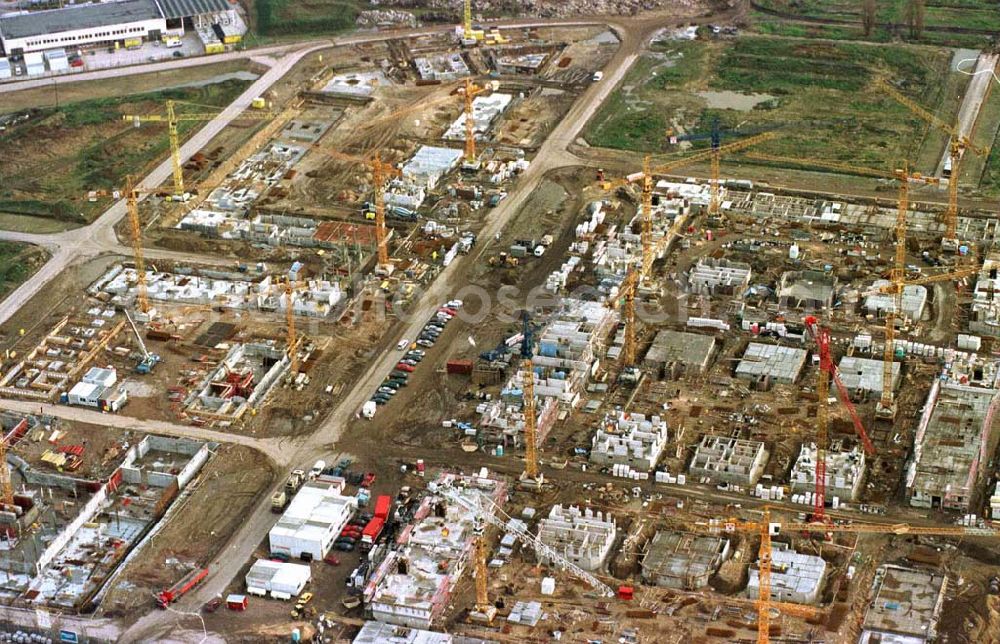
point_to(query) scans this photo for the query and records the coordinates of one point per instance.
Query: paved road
(99, 237)
(274, 447)
(975, 95)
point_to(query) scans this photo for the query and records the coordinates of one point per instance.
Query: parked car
(389, 391)
(409, 361)
(332, 560)
(448, 311)
(417, 357)
(454, 304)
(396, 373)
(391, 384)
(401, 382)
(425, 343)
(344, 546)
(417, 352)
(404, 367)
(212, 605)
(368, 480)
(346, 539)
(380, 400)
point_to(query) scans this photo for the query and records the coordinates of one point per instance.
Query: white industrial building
(629, 439)
(78, 25)
(584, 537)
(313, 520)
(97, 389)
(845, 471)
(281, 580)
(107, 23)
(795, 577)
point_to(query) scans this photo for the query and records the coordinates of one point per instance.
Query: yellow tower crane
(471, 91)
(467, 21)
(483, 611)
(135, 227)
(381, 173)
(886, 407)
(767, 529)
(897, 275)
(957, 146)
(649, 251)
(172, 118)
(292, 338)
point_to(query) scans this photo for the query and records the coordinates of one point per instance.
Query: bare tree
(915, 18)
(868, 16)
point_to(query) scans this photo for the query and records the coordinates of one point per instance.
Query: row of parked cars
(415, 352)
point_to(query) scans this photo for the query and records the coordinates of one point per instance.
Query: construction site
(489, 331)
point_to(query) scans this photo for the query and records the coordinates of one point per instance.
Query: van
(317, 469)
(539, 250)
(598, 76)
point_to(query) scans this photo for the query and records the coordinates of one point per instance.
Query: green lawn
(17, 263)
(304, 17)
(819, 93)
(49, 163)
(982, 16)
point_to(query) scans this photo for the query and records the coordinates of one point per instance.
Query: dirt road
(975, 95)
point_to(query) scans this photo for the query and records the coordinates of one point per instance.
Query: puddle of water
(221, 78)
(734, 100)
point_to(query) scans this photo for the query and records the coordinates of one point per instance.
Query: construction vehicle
(488, 511)
(768, 529)
(295, 481)
(957, 146)
(470, 36)
(279, 501)
(147, 360)
(182, 587)
(172, 119)
(828, 371)
(714, 136)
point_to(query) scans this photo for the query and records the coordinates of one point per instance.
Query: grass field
(819, 93)
(17, 263)
(50, 162)
(276, 18)
(939, 16)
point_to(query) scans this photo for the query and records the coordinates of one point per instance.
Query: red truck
(382, 506)
(372, 531)
(178, 590)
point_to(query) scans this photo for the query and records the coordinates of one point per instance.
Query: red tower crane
(828, 371)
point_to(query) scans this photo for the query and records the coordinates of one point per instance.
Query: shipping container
(372, 531)
(382, 506)
(459, 367)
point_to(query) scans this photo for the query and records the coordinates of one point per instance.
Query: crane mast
(135, 227)
(531, 470)
(381, 172)
(647, 218)
(495, 516)
(173, 119)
